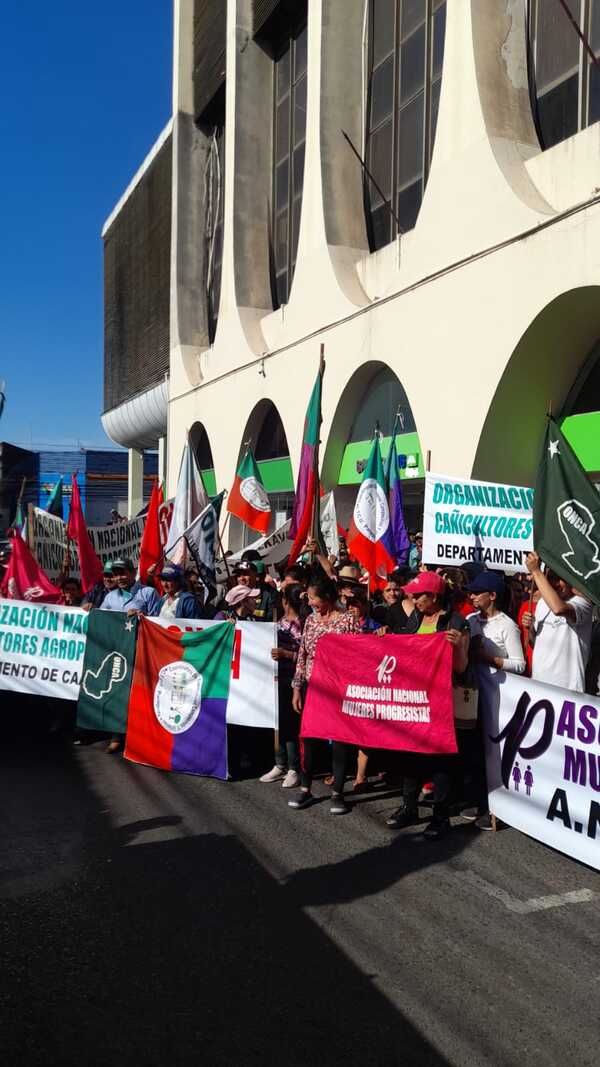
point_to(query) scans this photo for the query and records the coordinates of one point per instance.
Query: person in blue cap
(176, 603)
(495, 637)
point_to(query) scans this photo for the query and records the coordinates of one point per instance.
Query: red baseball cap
(426, 582)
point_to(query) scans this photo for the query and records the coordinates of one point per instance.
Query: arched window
(289, 137)
(565, 82)
(405, 58)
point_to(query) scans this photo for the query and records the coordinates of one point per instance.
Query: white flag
(190, 500)
(329, 527)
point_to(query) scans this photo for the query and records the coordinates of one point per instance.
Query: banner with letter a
(391, 692)
(543, 761)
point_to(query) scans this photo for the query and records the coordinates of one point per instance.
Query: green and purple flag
(178, 702)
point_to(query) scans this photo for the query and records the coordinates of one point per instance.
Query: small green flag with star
(566, 516)
(107, 672)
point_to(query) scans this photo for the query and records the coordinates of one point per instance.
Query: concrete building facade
(456, 284)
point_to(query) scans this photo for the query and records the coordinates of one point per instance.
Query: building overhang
(139, 422)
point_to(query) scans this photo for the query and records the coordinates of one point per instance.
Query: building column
(135, 481)
(162, 460)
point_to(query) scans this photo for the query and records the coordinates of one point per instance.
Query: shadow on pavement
(181, 951)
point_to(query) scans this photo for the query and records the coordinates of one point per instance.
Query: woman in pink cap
(429, 592)
(241, 602)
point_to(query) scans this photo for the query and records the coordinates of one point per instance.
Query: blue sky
(86, 89)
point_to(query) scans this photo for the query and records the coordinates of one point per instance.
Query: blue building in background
(101, 476)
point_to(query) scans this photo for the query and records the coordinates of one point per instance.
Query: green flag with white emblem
(107, 672)
(566, 516)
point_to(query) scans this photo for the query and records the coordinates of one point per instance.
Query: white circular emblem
(371, 511)
(177, 697)
(254, 494)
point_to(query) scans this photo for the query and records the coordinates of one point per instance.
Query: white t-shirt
(562, 648)
(501, 637)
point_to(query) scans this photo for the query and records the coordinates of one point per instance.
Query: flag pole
(316, 523)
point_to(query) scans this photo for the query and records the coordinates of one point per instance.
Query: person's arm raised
(547, 592)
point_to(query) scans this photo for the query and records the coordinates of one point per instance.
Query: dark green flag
(566, 516)
(107, 672)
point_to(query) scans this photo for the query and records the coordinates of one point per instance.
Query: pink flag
(89, 564)
(390, 692)
(24, 578)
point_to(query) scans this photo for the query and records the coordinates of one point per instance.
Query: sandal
(328, 779)
(361, 787)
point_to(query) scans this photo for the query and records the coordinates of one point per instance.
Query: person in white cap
(241, 602)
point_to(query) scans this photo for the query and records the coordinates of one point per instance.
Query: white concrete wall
(496, 267)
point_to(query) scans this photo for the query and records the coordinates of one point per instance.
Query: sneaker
(273, 775)
(470, 814)
(291, 780)
(338, 806)
(484, 822)
(303, 801)
(437, 828)
(403, 816)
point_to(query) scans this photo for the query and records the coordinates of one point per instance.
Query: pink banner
(382, 692)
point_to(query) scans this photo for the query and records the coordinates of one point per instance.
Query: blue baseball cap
(487, 582)
(171, 572)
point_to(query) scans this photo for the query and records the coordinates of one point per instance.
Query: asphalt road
(153, 919)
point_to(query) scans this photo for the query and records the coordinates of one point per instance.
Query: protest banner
(392, 692)
(48, 539)
(543, 762)
(476, 522)
(41, 648)
(272, 549)
(253, 696)
(178, 700)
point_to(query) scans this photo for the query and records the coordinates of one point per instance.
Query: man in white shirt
(561, 630)
(496, 637)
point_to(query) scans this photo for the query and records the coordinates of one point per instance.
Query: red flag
(24, 578)
(151, 546)
(89, 564)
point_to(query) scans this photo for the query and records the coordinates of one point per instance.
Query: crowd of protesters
(533, 624)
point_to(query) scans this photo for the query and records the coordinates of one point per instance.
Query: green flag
(566, 516)
(107, 672)
(55, 500)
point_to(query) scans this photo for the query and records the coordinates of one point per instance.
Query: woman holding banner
(326, 619)
(429, 592)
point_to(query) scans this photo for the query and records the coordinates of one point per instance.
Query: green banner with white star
(107, 672)
(566, 516)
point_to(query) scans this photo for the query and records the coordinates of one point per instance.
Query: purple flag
(394, 491)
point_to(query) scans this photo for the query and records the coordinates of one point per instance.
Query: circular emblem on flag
(33, 593)
(371, 511)
(254, 494)
(177, 697)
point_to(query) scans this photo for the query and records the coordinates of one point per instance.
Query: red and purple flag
(370, 538)
(178, 700)
(89, 563)
(307, 487)
(24, 579)
(400, 538)
(391, 692)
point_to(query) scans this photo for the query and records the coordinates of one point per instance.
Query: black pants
(338, 759)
